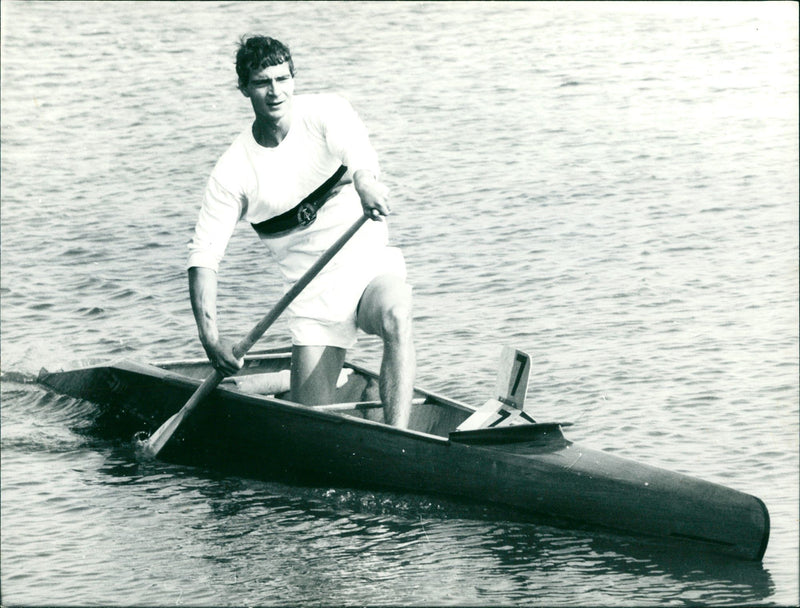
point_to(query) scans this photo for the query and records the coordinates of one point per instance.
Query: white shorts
(333, 320)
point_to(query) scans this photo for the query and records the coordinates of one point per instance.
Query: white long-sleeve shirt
(253, 183)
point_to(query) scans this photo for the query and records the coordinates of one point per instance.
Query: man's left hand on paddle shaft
(374, 195)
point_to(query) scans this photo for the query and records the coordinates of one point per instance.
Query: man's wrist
(209, 339)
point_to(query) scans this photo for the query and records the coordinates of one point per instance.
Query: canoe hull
(569, 482)
(534, 469)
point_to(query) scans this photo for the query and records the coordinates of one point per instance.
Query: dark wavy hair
(257, 52)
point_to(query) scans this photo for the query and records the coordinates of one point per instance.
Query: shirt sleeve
(219, 214)
(348, 138)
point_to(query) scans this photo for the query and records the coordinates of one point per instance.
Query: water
(612, 188)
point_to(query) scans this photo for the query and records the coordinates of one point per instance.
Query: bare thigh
(315, 370)
(384, 294)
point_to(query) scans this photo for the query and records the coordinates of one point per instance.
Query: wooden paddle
(161, 437)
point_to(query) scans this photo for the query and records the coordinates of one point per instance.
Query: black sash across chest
(304, 213)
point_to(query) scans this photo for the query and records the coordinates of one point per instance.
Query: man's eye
(263, 83)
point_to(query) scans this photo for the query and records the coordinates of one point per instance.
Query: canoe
(531, 467)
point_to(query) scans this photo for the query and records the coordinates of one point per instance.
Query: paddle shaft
(251, 338)
(161, 437)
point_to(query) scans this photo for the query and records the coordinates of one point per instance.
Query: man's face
(270, 90)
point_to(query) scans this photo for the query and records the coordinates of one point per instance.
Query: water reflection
(411, 532)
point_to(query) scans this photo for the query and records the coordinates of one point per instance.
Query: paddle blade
(152, 446)
(159, 439)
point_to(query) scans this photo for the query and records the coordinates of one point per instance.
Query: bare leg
(385, 311)
(315, 370)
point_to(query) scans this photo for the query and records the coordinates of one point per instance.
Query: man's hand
(374, 195)
(220, 354)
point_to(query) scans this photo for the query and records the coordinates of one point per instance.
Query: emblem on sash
(302, 214)
(306, 214)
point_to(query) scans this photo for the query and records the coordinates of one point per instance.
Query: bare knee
(385, 308)
(396, 317)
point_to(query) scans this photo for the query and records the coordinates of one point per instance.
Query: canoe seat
(273, 383)
(359, 405)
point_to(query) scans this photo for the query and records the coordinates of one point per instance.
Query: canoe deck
(530, 467)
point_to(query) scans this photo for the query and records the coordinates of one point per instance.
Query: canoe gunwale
(175, 379)
(276, 355)
(256, 356)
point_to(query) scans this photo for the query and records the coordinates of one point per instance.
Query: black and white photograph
(364, 303)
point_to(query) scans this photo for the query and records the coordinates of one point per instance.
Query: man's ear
(244, 92)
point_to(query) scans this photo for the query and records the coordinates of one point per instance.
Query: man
(301, 174)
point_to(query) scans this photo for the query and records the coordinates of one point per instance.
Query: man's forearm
(203, 294)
